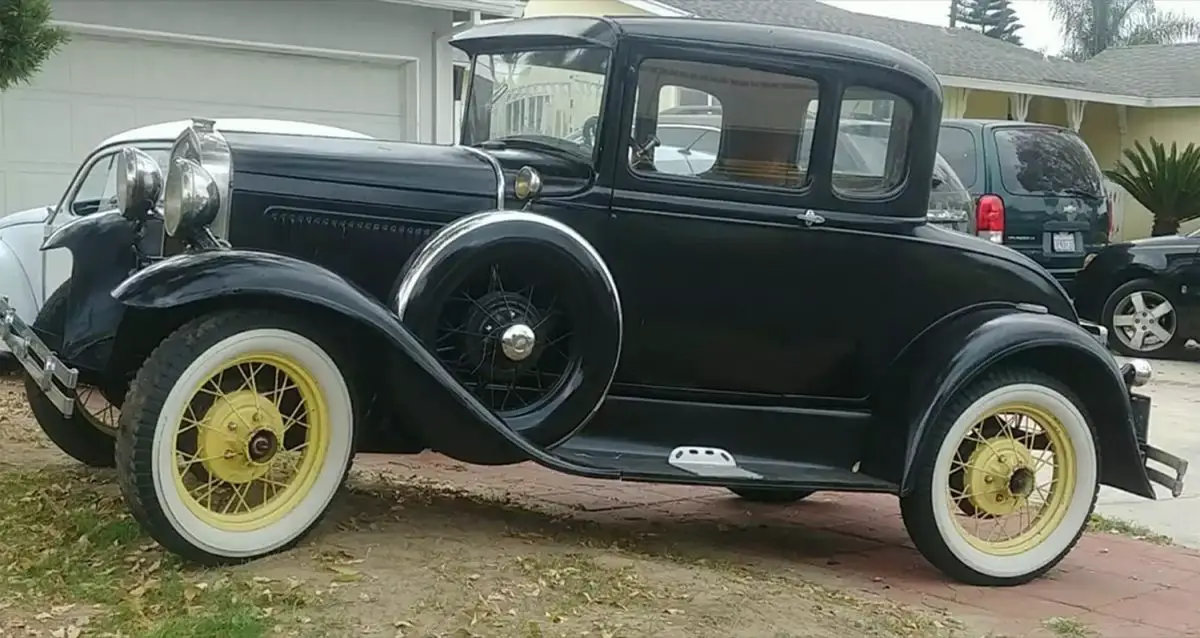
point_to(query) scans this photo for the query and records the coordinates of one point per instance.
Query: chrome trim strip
(423, 260)
(38, 360)
(500, 185)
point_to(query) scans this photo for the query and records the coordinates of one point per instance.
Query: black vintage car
(541, 292)
(1146, 292)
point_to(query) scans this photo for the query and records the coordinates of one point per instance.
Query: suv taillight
(989, 218)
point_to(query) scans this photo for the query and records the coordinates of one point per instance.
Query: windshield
(1037, 161)
(549, 97)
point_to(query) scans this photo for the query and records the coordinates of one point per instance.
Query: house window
(872, 148)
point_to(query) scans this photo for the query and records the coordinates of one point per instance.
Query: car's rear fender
(948, 357)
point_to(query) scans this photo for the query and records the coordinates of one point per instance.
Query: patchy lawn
(395, 558)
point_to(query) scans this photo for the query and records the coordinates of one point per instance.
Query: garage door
(96, 87)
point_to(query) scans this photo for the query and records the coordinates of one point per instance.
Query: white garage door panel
(97, 87)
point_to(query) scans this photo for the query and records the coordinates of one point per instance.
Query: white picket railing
(557, 109)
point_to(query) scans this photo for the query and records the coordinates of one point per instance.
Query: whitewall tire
(1004, 481)
(216, 420)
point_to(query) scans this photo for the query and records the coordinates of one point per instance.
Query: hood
(397, 166)
(30, 216)
(1168, 241)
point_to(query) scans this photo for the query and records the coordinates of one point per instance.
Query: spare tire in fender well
(471, 245)
(960, 348)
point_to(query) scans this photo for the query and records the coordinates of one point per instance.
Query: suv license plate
(1063, 242)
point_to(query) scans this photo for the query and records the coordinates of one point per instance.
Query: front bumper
(52, 375)
(1141, 426)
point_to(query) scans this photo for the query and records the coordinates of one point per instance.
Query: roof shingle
(1133, 71)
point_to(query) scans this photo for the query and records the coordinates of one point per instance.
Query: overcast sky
(1039, 31)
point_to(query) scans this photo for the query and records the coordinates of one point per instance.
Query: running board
(1179, 465)
(702, 465)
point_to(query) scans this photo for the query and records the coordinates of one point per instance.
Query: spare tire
(524, 313)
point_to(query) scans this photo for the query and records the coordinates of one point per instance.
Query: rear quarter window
(958, 147)
(1037, 161)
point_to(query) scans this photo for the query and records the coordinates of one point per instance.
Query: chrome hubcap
(1144, 321)
(517, 342)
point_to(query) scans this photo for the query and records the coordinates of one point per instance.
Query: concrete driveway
(1175, 427)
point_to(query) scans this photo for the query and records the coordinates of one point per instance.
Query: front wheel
(1004, 480)
(88, 434)
(235, 436)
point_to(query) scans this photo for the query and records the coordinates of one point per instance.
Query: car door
(94, 189)
(740, 282)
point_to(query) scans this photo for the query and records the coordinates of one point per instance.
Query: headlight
(197, 182)
(528, 184)
(139, 183)
(192, 199)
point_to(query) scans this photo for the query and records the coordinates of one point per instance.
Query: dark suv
(1037, 189)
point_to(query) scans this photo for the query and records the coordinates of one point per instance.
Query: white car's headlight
(192, 199)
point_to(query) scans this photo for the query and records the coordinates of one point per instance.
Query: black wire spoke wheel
(508, 336)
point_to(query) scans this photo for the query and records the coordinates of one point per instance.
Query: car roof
(168, 131)
(980, 124)
(558, 31)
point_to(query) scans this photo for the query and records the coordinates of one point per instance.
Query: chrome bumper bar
(1177, 465)
(51, 375)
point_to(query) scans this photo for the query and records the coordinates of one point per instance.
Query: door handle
(810, 218)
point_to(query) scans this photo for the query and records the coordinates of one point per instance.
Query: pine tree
(993, 18)
(27, 40)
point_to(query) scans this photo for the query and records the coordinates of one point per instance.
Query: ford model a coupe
(769, 323)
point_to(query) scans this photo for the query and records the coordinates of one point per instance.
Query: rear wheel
(88, 435)
(761, 495)
(235, 436)
(1143, 321)
(1011, 504)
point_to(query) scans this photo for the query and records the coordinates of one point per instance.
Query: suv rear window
(1038, 161)
(958, 147)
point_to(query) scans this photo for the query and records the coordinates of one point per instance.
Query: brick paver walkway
(1116, 586)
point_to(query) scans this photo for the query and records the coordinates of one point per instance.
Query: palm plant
(1091, 26)
(1167, 184)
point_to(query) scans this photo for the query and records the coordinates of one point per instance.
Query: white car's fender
(16, 285)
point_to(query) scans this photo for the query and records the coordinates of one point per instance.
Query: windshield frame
(467, 124)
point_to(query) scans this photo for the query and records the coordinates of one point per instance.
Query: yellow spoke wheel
(1019, 494)
(1003, 480)
(263, 430)
(236, 435)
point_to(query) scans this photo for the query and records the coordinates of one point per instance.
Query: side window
(958, 147)
(99, 183)
(722, 123)
(872, 149)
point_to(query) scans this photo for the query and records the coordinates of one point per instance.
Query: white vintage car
(29, 276)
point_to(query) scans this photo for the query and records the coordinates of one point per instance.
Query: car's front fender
(419, 382)
(958, 350)
(103, 253)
